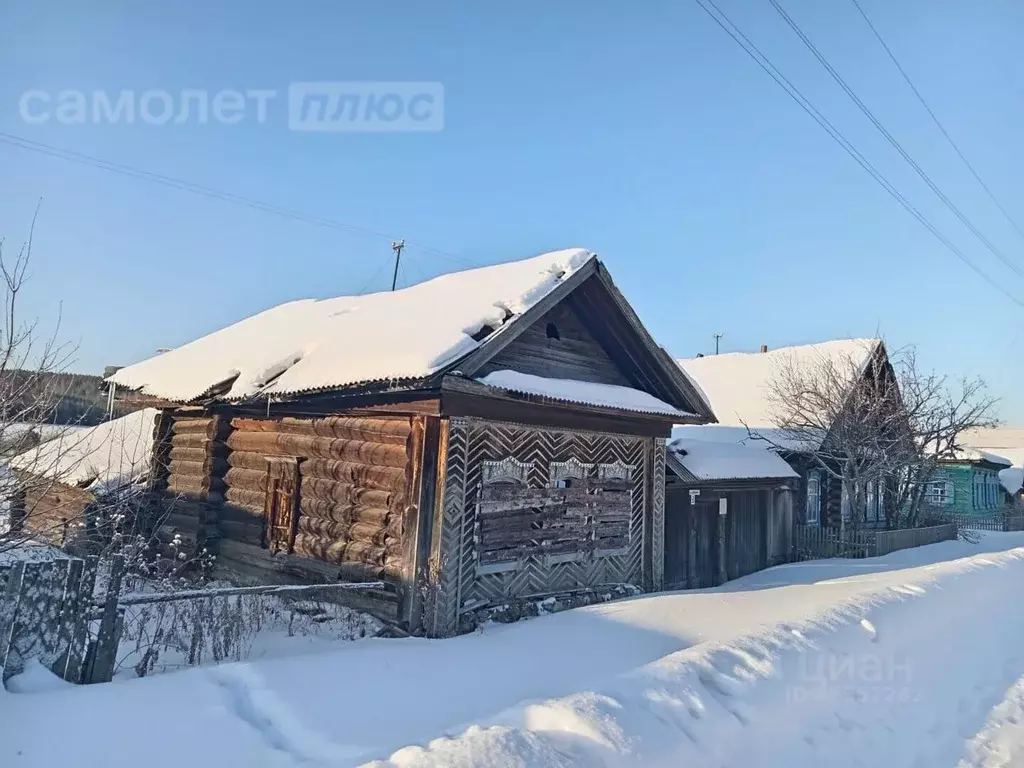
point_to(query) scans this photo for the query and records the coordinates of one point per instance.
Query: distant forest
(57, 398)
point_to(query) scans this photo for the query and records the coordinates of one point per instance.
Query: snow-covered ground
(914, 659)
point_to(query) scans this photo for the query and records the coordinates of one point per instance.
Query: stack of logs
(195, 466)
(354, 475)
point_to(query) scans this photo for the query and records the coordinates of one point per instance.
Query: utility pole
(717, 337)
(397, 247)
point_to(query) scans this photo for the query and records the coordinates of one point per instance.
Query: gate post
(723, 511)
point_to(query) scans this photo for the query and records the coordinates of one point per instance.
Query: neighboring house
(738, 387)
(64, 476)
(969, 484)
(728, 507)
(1007, 442)
(484, 438)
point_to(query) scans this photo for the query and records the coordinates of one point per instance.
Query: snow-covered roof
(737, 384)
(723, 453)
(571, 391)
(969, 453)
(111, 455)
(320, 344)
(1002, 441)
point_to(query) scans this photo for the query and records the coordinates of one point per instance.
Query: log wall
(355, 475)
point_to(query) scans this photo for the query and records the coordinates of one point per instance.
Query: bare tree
(878, 426)
(939, 413)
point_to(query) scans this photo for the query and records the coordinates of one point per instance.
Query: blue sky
(639, 131)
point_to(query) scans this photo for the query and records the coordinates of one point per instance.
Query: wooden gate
(691, 548)
(281, 506)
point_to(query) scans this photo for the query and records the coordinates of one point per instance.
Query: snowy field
(914, 659)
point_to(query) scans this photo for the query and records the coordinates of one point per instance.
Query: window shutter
(949, 492)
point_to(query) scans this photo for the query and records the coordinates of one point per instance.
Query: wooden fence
(815, 543)
(1003, 522)
(50, 611)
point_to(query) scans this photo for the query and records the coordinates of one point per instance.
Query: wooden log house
(483, 439)
(738, 386)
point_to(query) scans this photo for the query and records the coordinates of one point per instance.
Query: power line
(723, 21)
(891, 139)
(200, 189)
(935, 119)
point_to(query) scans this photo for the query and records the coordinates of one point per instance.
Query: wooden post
(723, 514)
(105, 654)
(769, 528)
(75, 666)
(9, 610)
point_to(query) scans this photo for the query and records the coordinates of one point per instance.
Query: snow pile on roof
(114, 454)
(1012, 479)
(1002, 441)
(315, 344)
(737, 384)
(722, 453)
(569, 390)
(969, 453)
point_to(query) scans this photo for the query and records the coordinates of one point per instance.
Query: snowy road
(916, 659)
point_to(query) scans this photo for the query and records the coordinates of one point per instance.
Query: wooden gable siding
(52, 512)
(575, 354)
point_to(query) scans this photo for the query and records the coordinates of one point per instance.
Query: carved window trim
(616, 470)
(507, 470)
(572, 469)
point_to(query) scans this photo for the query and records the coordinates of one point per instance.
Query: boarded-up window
(281, 507)
(583, 510)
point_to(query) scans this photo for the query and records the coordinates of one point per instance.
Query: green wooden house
(969, 485)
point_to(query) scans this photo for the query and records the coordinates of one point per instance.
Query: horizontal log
(281, 444)
(367, 429)
(346, 513)
(330, 490)
(184, 453)
(251, 500)
(339, 552)
(190, 424)
(343, 532)
(352, 473)
(190, 440)
(196, 465)
(340, 512)
(249, 479)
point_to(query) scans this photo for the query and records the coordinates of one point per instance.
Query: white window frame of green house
(813, 511)
(940, 493)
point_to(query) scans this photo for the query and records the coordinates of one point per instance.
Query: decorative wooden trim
(573, 469)
(504, 470)
(658, 515)
(617, 470)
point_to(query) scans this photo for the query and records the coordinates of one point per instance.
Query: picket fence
(815, 543)
(51, 611)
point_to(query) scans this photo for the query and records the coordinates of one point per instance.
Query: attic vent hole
(552, 331)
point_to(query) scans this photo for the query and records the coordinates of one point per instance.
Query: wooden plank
(9, 608)
(74, 668)
(285, 444)
(104, 656)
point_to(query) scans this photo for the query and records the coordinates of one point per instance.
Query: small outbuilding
(728, 507)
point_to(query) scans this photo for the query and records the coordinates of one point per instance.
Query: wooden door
(281, 506)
